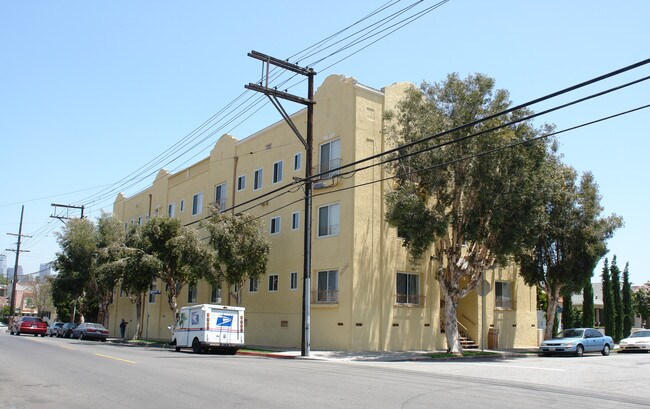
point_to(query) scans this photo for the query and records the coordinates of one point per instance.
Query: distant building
(45, 270)
(3, 265)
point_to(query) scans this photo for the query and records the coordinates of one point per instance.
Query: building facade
(365, 295)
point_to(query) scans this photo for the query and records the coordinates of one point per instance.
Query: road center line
(70, 348)
(117, 359)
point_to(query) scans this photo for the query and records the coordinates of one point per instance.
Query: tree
(642, 303)
(475, 209)
(628, 310)
(608, 300)
(182, 257)
(570, 237)
(240, 248)
(75, 261)
(105, 275)
(568, 316)
(615, 278)
(42, 296)
(588, 305)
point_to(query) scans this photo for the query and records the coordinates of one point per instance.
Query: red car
(28, 325)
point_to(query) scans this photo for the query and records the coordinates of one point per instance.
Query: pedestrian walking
(122, 328)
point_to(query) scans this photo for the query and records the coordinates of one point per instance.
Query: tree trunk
(451, 324)
(551, 312)
(138, 316)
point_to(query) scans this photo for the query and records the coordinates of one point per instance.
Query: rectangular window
(407, 289)
(220, 196)
(152, 293)
(328, 220)
(252, 285)
(273, 282)
(294, 281)
(277, 172)
(171, 209)
(257, 179)
(328, 287)
(140, 220)
(241, 183)
(330, 158)
(275, 225)
(215, 295)
(295, 220)
(297, 161)
(182, 205)
(197, 203)
(191, 294)
(503, 295)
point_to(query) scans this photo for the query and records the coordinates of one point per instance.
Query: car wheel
(543, 354)
(103, 339)
(580, 350)
(17, 333)
(605, 350)
(196, 346)
(177, 349)
(81, 336)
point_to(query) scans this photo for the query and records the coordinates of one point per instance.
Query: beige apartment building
(365, 295)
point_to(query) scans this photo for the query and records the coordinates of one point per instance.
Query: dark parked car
(577, 341)
(90, 330)
(53, 329)
(66, 330)
(28, 325)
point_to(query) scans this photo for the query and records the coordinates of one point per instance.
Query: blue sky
(92, 91)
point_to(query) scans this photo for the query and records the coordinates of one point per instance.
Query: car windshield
(570, 333)
(640, 334)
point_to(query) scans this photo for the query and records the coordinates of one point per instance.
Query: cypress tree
(567, 309)
(628, 310)
(608, 301)
(588, 305)
(615, 277)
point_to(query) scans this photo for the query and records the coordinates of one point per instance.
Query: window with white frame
(241, 183)
(277, 172)
(503, 294)
(253, 283)
(257, 179)
(197, 203)
(275, 225)
(330, 158)
(171, 209)
(191, 294)
(407, 288)
(328, 220)
(273, 282)
(140, 220)
(293, 281)
(215, 295)
(220, 196)
(295, 220)
(297, 161)
(327, 286)
(182, 205)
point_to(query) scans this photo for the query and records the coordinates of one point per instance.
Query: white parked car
(639, 341)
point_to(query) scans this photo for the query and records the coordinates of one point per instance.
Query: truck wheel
(177, 349)
(196, 346)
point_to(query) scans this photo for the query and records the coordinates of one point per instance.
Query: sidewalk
(358, 356)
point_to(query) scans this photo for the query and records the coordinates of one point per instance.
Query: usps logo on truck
(224, 320)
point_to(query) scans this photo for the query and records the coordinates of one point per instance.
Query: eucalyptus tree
(241, 249)
(183, 258)
(468, 201)
(570, 238)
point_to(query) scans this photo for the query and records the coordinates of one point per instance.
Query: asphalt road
(63, 373)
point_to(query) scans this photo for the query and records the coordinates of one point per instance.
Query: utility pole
(307, 142)
(12, 307)
(67, 211)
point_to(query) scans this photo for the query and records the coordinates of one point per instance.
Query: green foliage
(570, 236)
(642, 303)
(542, 300)
(477, 208)
(588, 305)
(240, 248)
(628, 309)
(615, 278)
(182, 257)
(568, 317)
(608, 300)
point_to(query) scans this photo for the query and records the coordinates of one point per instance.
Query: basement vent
(395, 324)
(284, 324)
(340, 324)
(358, 324)
(427, 325)
(268, 146)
